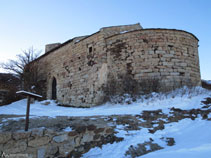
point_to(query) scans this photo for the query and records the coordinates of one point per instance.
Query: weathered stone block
(37, 132)
(41, 153)
(109, 131)
(77, 140)
(91, 127)
(5, 137)
(60, 138)
(21, 135)
(39, 141)
(99, 130)
(87, 137)
(51, 150)
(15, 146)
(72, 133)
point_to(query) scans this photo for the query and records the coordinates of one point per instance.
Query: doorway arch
(54, 90)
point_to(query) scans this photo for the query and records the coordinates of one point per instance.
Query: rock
(77, 141)
(87, 146)
(15, 147)
(41, 153)
(60, 138)
(21, 135)
(152, 131)
(136, 151)
(74, 154)
(5, 137)
(151, 115)
(39, 141)
(160, 126)
(81, 129)
(176, 109)
(52, 150)
(155, 147)
(46, 103)
(72, 133)
(91, 127)
(99, 130)
(80, 149)
(173, 119)
(49, 132)
(96, 136)
(37, 132)
(65, 149)
(109, 131)
(1, 148)
(204, 116)
(32, 152)
(140, 149)
(170, 141)
(207, 101)
(87, 137)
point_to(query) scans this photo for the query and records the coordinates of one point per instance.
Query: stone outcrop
(141, 149)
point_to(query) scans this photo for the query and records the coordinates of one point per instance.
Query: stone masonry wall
(76, 71)
(50, 47)
(42, 143)
(152, 60)
(114, 30)
(117, 60)
(80, 69)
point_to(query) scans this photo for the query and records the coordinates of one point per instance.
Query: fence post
(27, 113)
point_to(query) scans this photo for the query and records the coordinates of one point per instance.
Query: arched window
(54, 89)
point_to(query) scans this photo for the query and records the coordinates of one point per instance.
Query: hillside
(176, 124)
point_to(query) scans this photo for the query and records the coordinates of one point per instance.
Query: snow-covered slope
(192, 136)
(183, 98)
(193, 140)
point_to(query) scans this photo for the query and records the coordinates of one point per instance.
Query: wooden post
(29, 96)
(27, 113)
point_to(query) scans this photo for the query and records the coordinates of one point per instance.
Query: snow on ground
(192, 137)
(68, 129)
(192, 141)
(182, 98)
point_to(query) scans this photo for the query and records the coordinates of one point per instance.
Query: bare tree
(20, 66)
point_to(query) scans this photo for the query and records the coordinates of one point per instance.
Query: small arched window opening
(54, 84)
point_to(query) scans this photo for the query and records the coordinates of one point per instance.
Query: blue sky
(25, 23)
